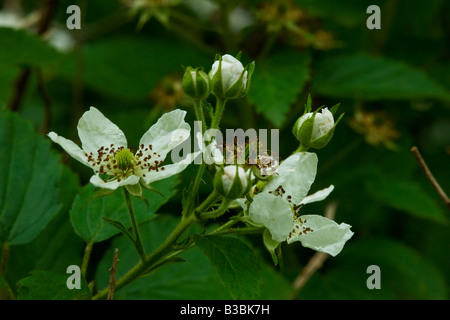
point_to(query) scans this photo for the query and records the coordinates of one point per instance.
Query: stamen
(124, 158)
(121, 162)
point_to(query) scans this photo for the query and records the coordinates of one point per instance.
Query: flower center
(295, 208)
(124, 159)
(121, 163)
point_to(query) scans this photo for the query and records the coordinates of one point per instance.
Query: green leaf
(365, 77)
(275, 285)
(24, 48)
(406, 195)
(5, 290)
(7, 77)
(44, 285)
(29, 173)
(57, 246)
(351, 13)
(276, 83)
(129, 67)
(238, 269)
(404, 273)
(192, 280)
(87, 212)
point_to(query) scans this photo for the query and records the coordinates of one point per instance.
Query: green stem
(301, 148)
(194, 191)
(151, 259)
(137, 240)
(216, 213)
(5, 258)
(220, 107)
(163, 252)
(247, 230)
(209, 201)
(189, 208)
(86, 256)
(199, 113)
(227, 225)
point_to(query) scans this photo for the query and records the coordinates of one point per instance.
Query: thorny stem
(218, 212)
(433, 181)
(168, 250)
(209, 201)
(151, 259)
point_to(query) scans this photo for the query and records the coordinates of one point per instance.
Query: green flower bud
(230, 80)
(232, 182)
(196, 83)
(314, 129)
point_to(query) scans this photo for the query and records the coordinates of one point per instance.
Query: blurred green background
(393, 86)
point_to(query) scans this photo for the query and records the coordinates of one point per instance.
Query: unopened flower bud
(232, 182)
(315, 129)
(230, 80)
(196, 83)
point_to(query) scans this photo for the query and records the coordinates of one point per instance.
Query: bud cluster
(228, 79)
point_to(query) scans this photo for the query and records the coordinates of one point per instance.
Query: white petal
(70, 147)
(318, 196)
(231, 71)
(274, 212)
(96, 131)
(168, 132)
(212, 154)
(323, 123)
(169, 170)
(114, 184)
(296, 175)
(229, 174)
(325, 235)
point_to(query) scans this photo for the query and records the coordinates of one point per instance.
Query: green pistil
(124, 159)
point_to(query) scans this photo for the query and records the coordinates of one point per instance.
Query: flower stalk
(86, 257)
(137, 241)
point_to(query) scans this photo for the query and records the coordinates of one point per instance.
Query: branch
(112, 275)
(317, 260)
(430, 176)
